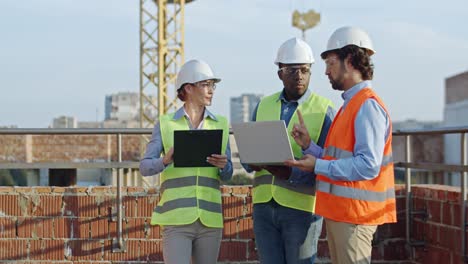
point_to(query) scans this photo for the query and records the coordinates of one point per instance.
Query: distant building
(424, 148)
(123, 106)
(242, 107)
(89, 124)
(455, 114)
(64, 122)
(414, 124)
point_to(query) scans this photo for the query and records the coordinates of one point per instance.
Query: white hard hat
(350, 36)
(294, 51)
(195, 71)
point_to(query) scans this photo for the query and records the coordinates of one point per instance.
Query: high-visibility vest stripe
(188, 202)
(268, 179)
(353, 193)
(266, 186)
(188, 194)
(367, 202)
(338, 153)
(189, 181)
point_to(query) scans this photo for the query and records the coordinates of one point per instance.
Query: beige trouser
(194, 241)
(349, 243)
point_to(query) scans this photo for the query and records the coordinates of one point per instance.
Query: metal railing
(119, 164)
(462, 168)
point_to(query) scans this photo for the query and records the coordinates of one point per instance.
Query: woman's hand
(217, 160)
(300, 132)
(169, 157)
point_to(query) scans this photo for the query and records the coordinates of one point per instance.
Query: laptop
(192, 147)
(263, 142)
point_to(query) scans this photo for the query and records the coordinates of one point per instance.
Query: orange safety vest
(367, 202)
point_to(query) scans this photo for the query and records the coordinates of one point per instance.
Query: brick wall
(55, 148)
(73, 225)
(440, 230)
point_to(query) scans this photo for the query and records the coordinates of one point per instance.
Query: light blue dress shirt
(372, 128)
(152, 162)
(287, 110)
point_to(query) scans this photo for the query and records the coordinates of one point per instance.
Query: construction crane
(161, 55)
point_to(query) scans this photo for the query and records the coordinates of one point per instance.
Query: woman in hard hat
(190, 207)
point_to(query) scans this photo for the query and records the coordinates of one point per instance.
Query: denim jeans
(284, 235)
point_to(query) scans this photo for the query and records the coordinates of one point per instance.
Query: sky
(62, 57)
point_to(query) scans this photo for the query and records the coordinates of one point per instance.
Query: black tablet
(192, 147)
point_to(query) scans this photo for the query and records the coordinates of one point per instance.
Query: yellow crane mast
(161, 55)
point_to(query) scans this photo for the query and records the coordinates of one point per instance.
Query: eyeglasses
(290, 70)
(205, 85)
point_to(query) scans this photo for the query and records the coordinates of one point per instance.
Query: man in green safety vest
(286, 229)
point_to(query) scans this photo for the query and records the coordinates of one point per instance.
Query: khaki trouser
(193, 243)
(349, 243)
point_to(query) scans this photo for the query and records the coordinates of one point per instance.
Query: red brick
(154, 231)
(48, 206)
(9, 205)
(145, 205)
(42, 228)
(252, 250)
(322, 249)
(42, 189)
(456, 220)
(240, 190)
(87, 206)
(226, 190)
(245, 229)
(447, 237)
(230, 228)
(63, 227)
(7, 227)
(25, 227)
(129, 203)
(85, 250)
(447, 214)
(13, 249)
(392, 249)
(70, 205)
(233, 251)
(233, 207)
(6, 189)
(151, 250)
(23, 189)
(248, 207)
(453, 196)
(431, 254)
(434, 210)
(133, 250)
(99, 228)
(135, 228)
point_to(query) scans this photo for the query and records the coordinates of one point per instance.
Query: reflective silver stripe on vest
(264, 179)
(188, 202)
(299, 188)
(354, 193)
(189, 181)
(337, 153)
(387, 159)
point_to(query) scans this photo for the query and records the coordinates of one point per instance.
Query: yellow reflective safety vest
(267, 186)
(189, 193)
